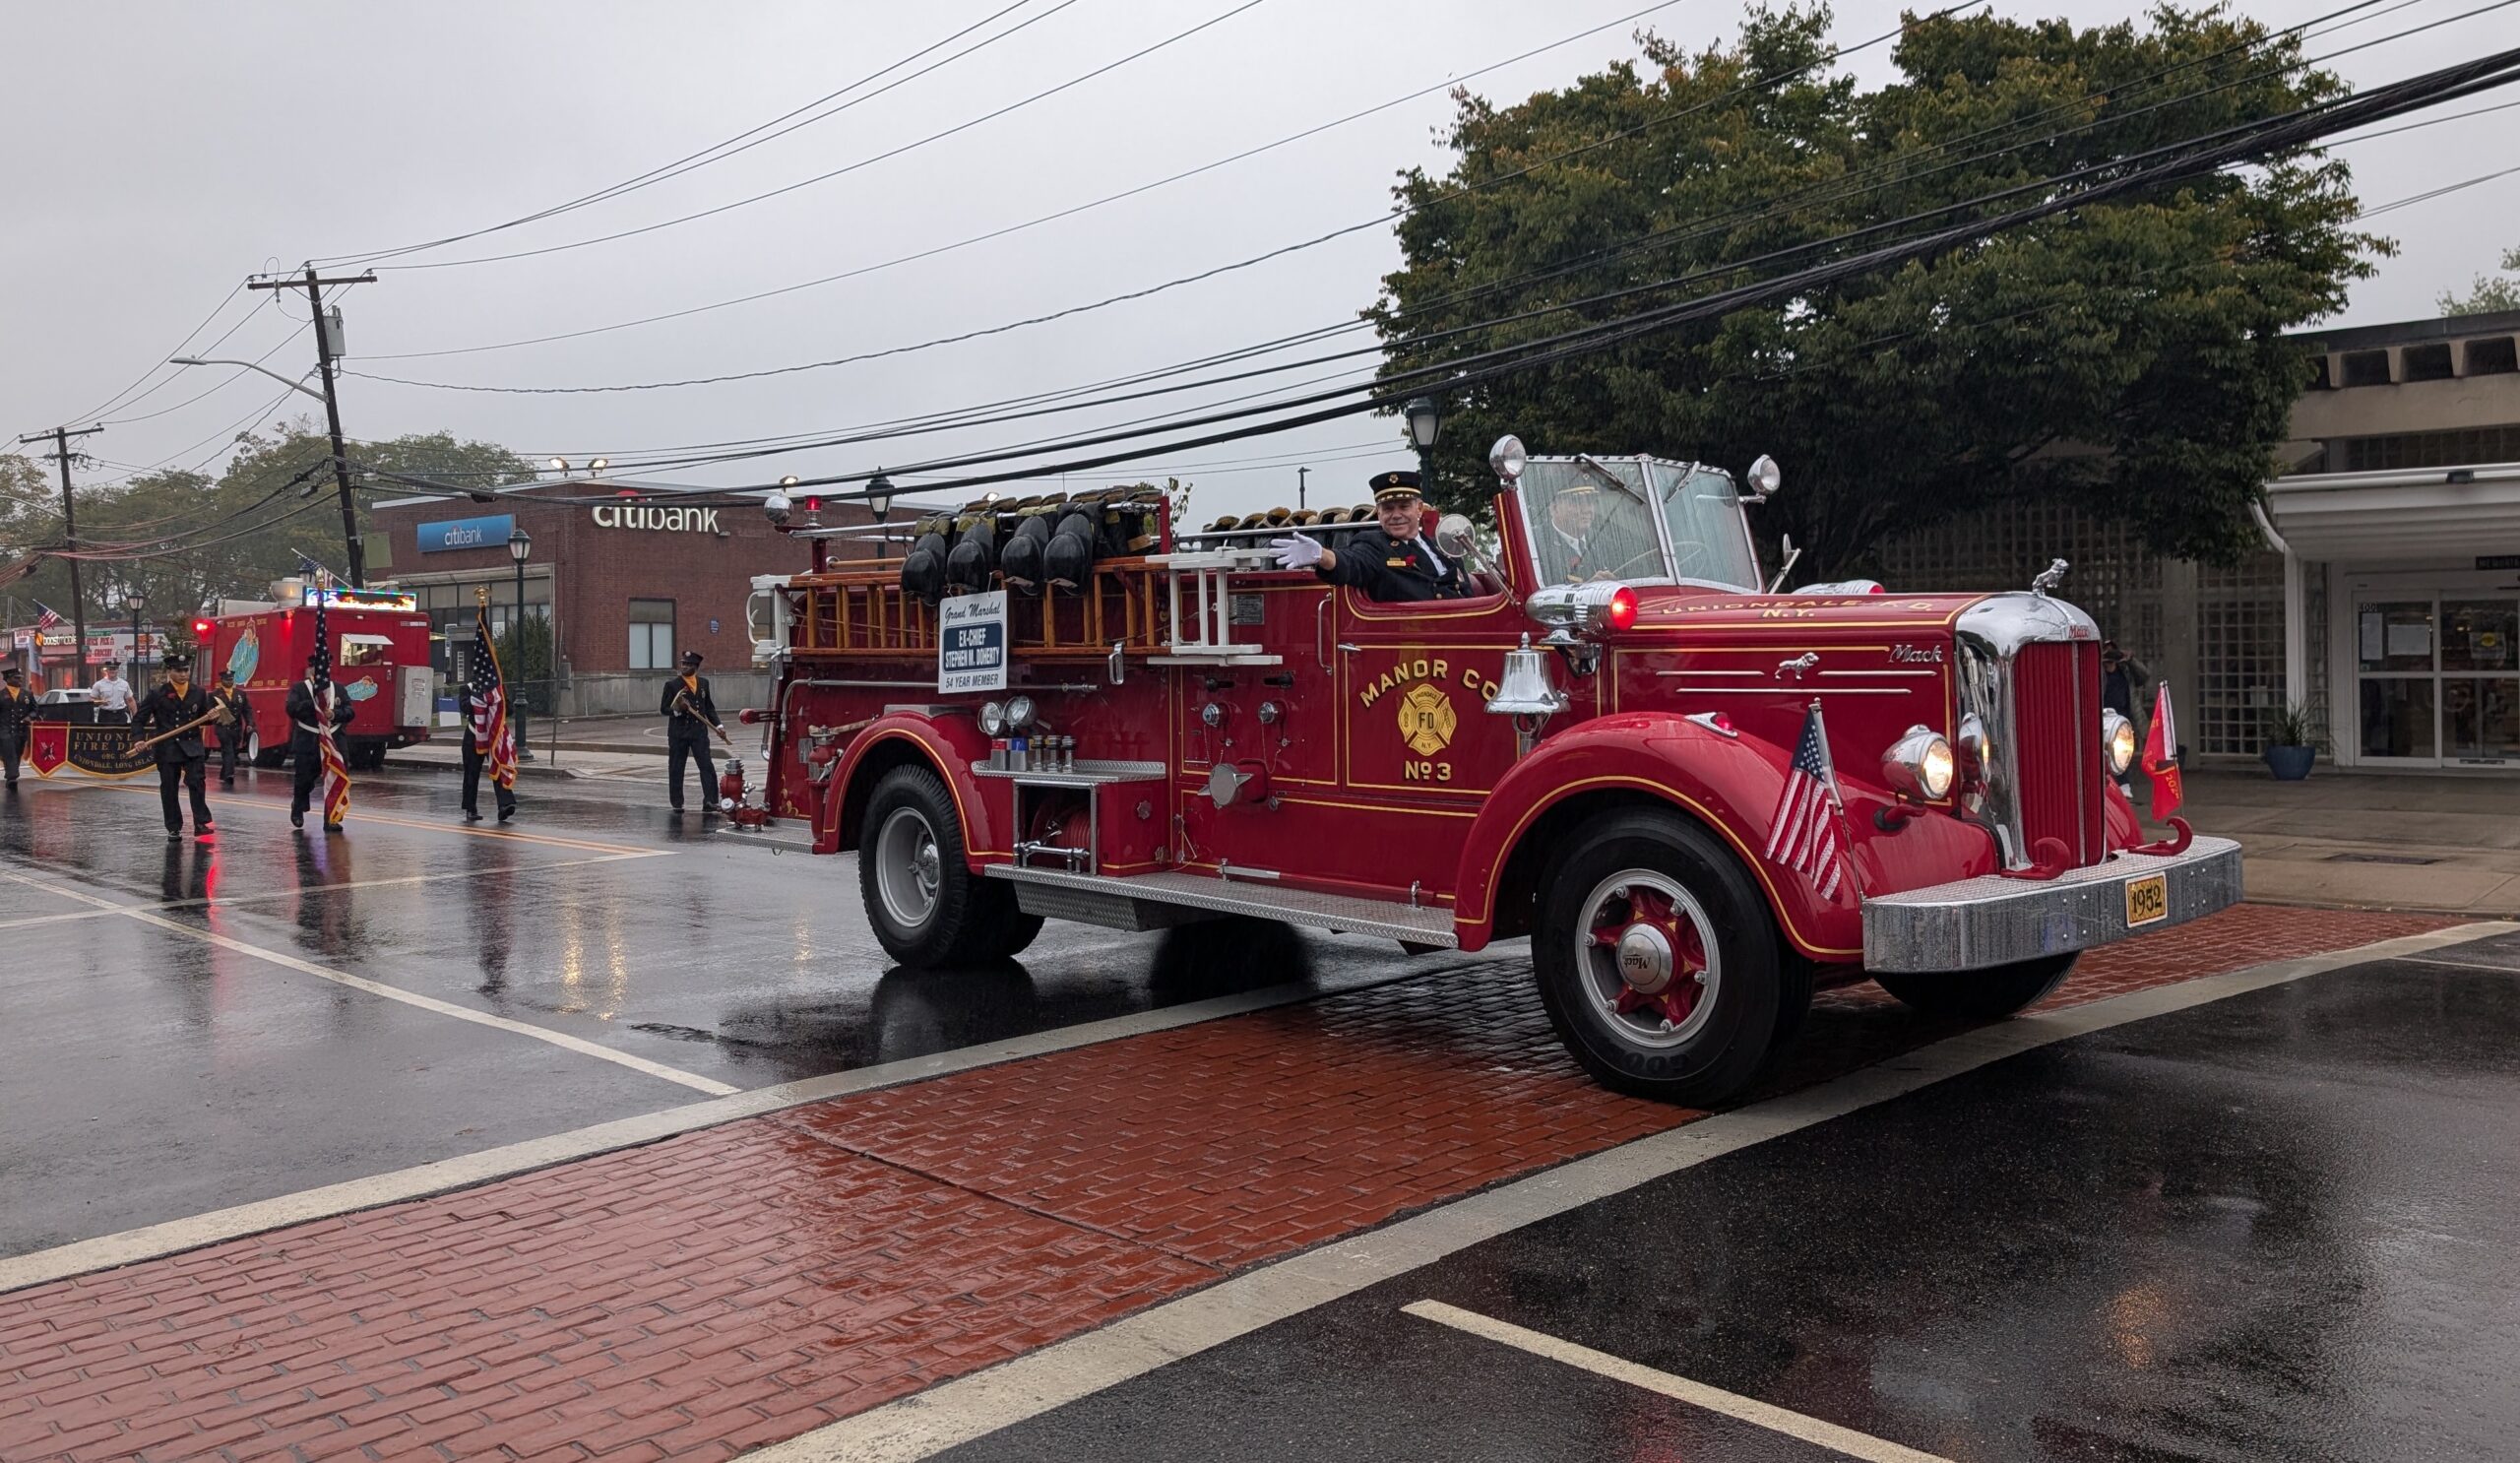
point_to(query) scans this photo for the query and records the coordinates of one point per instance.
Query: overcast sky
(165, 150)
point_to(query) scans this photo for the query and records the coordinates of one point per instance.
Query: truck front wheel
(1658, 962)
(926, 905)
(264, 756)
(1989, 994)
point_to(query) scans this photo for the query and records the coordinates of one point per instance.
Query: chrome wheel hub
(910, 869)
(1649, 958)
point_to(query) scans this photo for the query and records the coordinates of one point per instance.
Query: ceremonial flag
(492, 732)
(46, 616)
(337, 772)
(1805, 832)
(2160, 758)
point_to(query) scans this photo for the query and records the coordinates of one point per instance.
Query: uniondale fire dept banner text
(98, 751)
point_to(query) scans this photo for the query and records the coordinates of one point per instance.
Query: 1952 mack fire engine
(1167, 727)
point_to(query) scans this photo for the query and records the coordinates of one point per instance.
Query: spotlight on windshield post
(1765, 480)
(1507, 458)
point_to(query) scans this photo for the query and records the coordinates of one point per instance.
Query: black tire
(1988, 995)
(264, 756)
(1728, 1035)
(926, 905)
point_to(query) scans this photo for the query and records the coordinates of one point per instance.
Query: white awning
(2410, 513)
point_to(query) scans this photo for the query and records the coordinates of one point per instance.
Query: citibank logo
(466, 532)
(655, 520)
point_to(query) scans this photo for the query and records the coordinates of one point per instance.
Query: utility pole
(314, 288)
(1301, 474)
(61, 436)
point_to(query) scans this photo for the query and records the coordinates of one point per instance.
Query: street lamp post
(1426, 422)
(879, 499)
(138, 657)
(520, 548)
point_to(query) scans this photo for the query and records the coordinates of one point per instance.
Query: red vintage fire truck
(380, 649)
(1594, 750)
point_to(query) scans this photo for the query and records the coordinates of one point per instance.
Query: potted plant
(2293, 742)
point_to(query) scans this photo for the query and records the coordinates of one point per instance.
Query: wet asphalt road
(147, 1073)
(2282, 1226)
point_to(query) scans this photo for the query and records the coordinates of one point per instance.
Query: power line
(721, 150)
(1393, 216)
(920, 425)
(1066, 213)
(823, 177)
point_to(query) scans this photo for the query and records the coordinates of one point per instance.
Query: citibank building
(624, 586)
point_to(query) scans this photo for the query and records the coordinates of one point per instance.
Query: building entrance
(2437, 677)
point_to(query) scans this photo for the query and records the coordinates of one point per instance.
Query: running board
(1158, 901)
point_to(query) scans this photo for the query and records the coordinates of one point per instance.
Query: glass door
(2480, 680)
(2398, 679)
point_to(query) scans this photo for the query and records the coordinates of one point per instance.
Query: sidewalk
(2368, 840)
(619, 746)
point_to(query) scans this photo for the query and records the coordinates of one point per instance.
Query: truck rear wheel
(1658, 962)
(926, 905)
(264, 756)
(1989, 994)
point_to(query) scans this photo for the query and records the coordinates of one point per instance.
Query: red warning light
(1622, 610)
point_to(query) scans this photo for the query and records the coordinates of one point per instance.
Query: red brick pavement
(743, 1284)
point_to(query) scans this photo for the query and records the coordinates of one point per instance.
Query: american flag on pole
(492, 732)
(337, 772)
(1805, 834)
(46, 616)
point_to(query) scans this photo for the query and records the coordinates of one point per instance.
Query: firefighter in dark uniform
(17, 709)
(690, 717)
(305, 751)
(180, 758)
(1397, 564)
(231, 733)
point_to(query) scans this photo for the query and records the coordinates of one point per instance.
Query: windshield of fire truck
(1636, 521)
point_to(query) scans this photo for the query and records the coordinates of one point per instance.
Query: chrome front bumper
(1974, 924)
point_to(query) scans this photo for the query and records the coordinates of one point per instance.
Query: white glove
(1298, 552)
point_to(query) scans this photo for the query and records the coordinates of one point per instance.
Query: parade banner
(98, 751)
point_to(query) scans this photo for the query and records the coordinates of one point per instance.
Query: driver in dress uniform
(1397, 565)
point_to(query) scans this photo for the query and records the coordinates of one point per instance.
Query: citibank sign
(466, 532)
(656, 519)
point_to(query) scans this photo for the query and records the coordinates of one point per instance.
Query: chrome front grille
(2030, 673)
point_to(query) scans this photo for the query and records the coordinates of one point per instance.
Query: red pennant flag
(2161, 754)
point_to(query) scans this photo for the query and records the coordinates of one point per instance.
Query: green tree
(525, 659)
(2129, 354)
(2490, 293)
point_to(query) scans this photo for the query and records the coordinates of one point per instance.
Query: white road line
(1733, 1405)
(956, 1412)
(173, 1237)
(223, 901)
(579, 1044)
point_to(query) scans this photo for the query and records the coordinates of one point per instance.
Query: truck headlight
(1021, 715)
(2117, 742)
(1919, 764)
(993, 719)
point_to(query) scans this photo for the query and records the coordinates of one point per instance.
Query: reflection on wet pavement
(159, 1076)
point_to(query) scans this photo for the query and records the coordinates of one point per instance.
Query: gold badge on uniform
(1426, 720)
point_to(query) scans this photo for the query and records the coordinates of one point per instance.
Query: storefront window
(652, 634)
(2397, 718)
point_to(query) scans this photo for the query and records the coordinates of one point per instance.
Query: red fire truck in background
(1621, 744)
(380, 661)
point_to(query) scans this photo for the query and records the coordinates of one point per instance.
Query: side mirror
(1454, 538)
(1765, 480)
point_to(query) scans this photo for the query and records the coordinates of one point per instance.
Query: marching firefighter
(1398, 565)
(305, 737)
(231, 732)
(691, 717)
(173, 712)
(17, 709)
